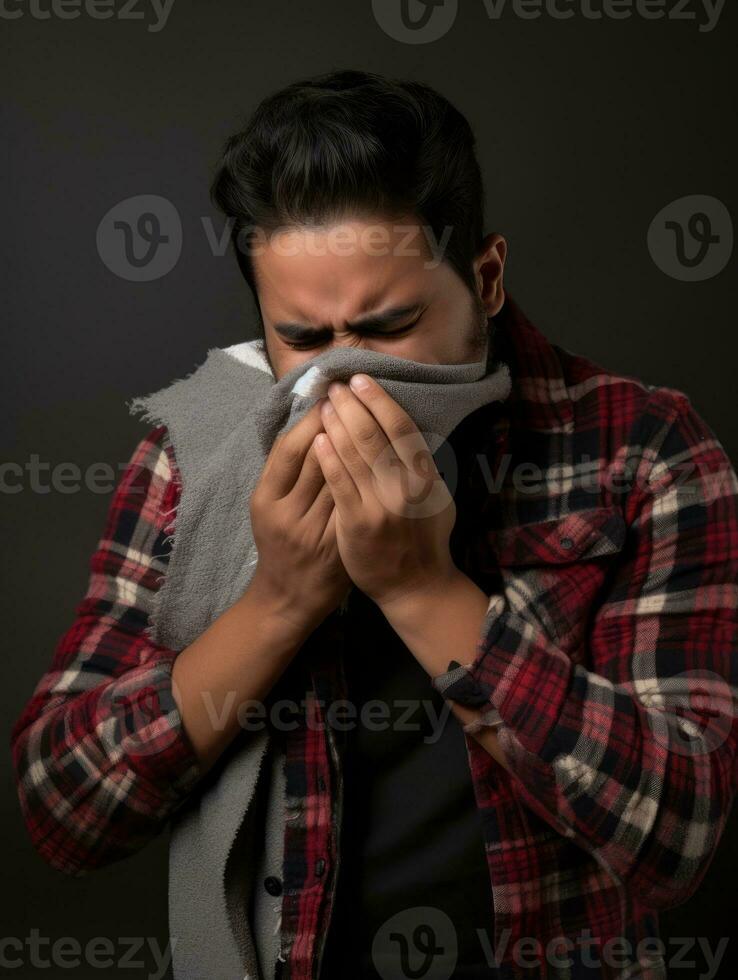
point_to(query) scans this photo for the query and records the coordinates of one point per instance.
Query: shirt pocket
(553, 571)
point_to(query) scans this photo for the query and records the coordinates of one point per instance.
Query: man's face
(373, 284)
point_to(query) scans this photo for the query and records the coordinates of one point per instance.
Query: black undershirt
(411, 832)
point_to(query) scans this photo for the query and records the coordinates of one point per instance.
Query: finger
(404, 435)
(285, 459)
(395, 479)
(350, 456)
(309, 482)
(343, 489)
(329, 532)
(320, 509)
(367, 435)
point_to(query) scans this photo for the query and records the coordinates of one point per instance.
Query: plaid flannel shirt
(605, 511)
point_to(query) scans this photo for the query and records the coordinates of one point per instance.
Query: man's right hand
(293, 523)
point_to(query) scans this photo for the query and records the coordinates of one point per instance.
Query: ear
(489, 266)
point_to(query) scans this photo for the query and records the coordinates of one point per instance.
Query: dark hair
(350, 142)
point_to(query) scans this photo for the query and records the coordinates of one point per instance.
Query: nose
(347, 338)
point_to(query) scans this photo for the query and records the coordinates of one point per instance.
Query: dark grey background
(586, 129)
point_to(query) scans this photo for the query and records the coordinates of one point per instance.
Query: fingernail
(360, 382)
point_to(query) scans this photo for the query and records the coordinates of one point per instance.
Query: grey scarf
(222, 420)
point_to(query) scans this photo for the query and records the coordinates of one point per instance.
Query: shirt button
(273, 885)
(566, 543)
(319, 867)
(321, 784)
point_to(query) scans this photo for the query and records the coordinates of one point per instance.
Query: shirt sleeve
(635, 759)
(101, 758)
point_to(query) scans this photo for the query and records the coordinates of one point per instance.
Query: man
(573, 601)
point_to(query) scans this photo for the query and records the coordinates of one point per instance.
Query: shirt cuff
(457, 684)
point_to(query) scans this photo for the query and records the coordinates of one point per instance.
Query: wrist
(416, 601)
(441, 622)
(268, 605)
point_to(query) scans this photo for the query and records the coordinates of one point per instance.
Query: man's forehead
(351, 248)
(317, 299)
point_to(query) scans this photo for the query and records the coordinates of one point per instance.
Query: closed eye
(307, 345)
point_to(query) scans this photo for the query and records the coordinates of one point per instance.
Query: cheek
(443, 343)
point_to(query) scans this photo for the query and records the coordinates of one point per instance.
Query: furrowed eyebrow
(367, 324)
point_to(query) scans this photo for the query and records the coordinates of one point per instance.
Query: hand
(394, 512)
(293, 519)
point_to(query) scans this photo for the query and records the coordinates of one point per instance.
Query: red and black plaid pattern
(100, 754)
(601, 515)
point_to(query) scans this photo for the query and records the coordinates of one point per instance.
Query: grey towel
(222, 421)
